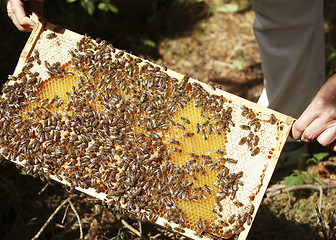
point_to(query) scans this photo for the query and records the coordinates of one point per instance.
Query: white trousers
(291, 45)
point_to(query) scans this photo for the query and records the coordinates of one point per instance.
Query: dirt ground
(208, 40)
(221, 49)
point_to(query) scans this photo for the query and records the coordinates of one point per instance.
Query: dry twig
(132, 229)
(65, 213)
(78, 219)
(50, 218)
(44, 188)
(140, 227)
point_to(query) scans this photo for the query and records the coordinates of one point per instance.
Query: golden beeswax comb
(146, 140)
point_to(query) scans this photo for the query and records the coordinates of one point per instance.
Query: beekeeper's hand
(21, 13)
(318, 121)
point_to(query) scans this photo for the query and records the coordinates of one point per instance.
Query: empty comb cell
(161, 146)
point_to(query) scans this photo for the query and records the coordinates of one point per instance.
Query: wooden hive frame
(282, 134)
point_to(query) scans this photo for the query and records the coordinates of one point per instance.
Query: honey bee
(248, 219)
(51, 36)
(245, 127)
(272, 119)
(119, 54)
(230, 160)
(242, 141)
(173, 141)
(36, 53)
(68, 73)
(166, 225)
(257, 126)
(207, 157)
(188, 134)
(233, 218)
(250, 209)
(205, 116)
(197, 128)
(212, 85)
(180, 126)
(218, 151)
(251, 115)
(210, 129)
(29, 59)
(219, 215)
(238, 203)
(185, 120)
(255, 151)
(252, 122)
(171, 121)
(179, 229)
(193, 155)
(245, 109)
(255, 140)
(223, 223)
(250, 136)
(47, 65)
(205, 136)
(176, 149)
(205, 225)
(199, 223)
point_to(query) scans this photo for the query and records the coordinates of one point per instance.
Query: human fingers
(327, 137)
(16, 12)
(325, 120)
(302, 123)
(313, 130)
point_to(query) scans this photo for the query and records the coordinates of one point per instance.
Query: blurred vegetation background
(139, 27)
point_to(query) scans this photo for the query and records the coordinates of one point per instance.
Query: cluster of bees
(118, 130)
(253, 126)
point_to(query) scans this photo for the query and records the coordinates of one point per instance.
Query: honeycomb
(158, 145)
